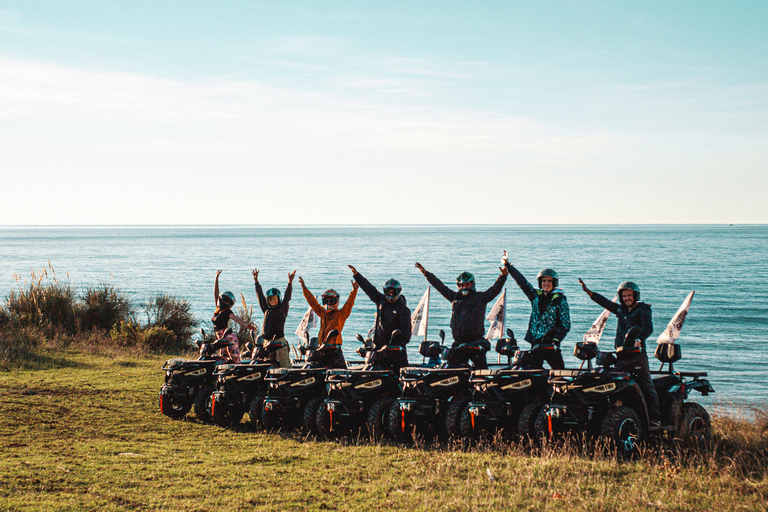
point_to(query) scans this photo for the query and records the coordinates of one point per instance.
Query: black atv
(361, 397)
(609, 403)
(241, 388)
(506, 399)
(432, 399)
(188, 383)
(294, 394)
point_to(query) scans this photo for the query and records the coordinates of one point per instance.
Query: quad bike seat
(585, 351)
(668, 352)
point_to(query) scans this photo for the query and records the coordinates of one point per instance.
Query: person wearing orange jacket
(331, 317)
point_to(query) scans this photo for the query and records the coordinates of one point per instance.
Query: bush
(158, 339)
(17, 344)
(104, 307)
(245, 312)
(49, 305)
(125, 333)
(173, 314)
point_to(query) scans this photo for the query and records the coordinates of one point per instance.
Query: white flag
(497, 317)
(309, 320)
(595, 332)
(672, 331)
(420, 316)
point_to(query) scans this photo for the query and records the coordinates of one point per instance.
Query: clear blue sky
(192, 112)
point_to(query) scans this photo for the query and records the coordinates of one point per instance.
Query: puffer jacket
(467, 311)
(389, 315)
(639, 315)
(548, 310)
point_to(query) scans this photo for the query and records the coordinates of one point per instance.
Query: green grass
(84, 432)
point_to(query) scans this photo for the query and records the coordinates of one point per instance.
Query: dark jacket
(274, 316)
(628, 318)
(548, 310)
(389, 315)
(467, 311)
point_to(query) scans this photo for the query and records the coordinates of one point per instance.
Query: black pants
(552, 356)
(459, 355)
(329, 357)
(637, 365)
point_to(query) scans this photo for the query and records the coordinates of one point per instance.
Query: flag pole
(426, 314)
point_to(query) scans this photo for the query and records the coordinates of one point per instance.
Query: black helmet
(629, 285)
(392, 290)
(466, 278)
(273, 292)
(549, 273)
(330, 297)
(227, 299)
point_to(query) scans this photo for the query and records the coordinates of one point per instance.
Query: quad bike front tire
(622, 428)
(378, 419)
(309, 415)
(173, 408)
(695, 427)
(201, 406)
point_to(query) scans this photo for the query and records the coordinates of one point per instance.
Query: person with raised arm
(392, 313)
(550, 316)
(228, 344)
(468, 308)
(331, 317)
(275, 311)
(631, 354)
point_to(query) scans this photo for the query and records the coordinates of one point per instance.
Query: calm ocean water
(725, 333)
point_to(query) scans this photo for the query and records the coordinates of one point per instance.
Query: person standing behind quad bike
(275, 312)
(229, 345)
(468, 309)
(631, 355)
(392, 313)
(331, 317)
(550, 317)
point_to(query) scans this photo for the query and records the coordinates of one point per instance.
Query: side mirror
(331, 335)
(395, 338)
(510, 334)
(442, 335)
(631, 336)
(359, 337)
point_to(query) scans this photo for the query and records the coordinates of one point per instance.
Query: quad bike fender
(632, 396)
(701, 385)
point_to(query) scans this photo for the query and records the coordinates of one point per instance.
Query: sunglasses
(329, 301)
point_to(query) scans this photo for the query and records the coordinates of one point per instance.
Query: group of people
(548, 325)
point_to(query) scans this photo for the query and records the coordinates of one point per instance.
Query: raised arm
(370, 290)
(311, 300)
(443, 290)
(346, 310)
(489, 294)
(216, 289)
(611, 306)
(288, 292)
(259, 291)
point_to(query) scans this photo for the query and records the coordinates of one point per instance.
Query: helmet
(392, 290)
(273, 292)
(227, 299)
(330, 297)
(629, 285)
(548, 272)
(466, 278)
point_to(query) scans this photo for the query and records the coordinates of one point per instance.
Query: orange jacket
(330, 320)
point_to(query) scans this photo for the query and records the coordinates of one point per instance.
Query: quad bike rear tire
(695, 427)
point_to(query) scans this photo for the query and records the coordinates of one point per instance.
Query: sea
(725, 333)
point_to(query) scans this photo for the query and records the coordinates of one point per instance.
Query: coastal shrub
(173, 314)
(245, 312)
(18, 343)
(45, 303)
(103, 307)
(125, 333)
(158, 339)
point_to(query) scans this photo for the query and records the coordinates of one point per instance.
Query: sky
(398, 112)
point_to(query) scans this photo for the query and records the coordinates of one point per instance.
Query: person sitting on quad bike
(275, 312)
(467, 314)
(228, 345)
(331, 317)
(631, 354)
(550, 317)
(392, 313)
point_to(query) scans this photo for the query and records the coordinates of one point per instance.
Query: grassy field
(83, 431)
